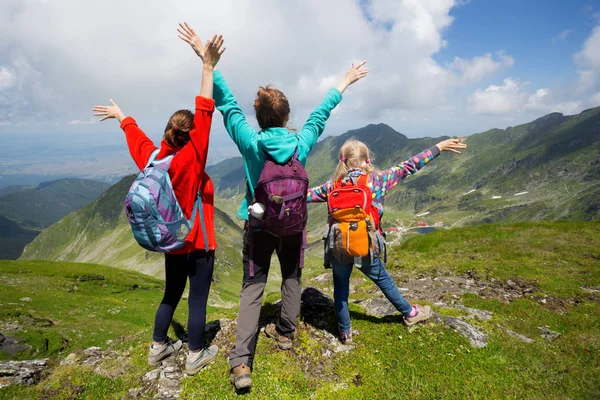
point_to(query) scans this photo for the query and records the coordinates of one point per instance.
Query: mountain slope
(13, 239)
(530, 290)
(555, 159)
(100, 233)
(41, 206)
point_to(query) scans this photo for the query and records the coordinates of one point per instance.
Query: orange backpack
(353, 234)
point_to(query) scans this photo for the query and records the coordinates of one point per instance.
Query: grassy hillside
(524, 277)
(554, 159)
(100, 233)
(59, 307)
(40, 206)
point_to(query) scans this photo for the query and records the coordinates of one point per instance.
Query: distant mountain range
(543, 170)
(25, 210)
(552, 163)
(100, 233)
(40, 206)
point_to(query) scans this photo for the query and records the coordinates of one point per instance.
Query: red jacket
(187, 170)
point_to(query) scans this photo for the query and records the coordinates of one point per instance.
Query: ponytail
(177, 131)
(341, 170)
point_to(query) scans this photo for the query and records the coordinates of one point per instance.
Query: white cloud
(135, 57)
(498, 99)
(588, 61)
(513, 98)
(7, 78)
(477, 68)
(80, 122)
(562, 36)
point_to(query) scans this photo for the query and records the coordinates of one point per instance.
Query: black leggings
(198, 266)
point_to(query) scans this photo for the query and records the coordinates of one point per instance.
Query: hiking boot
(423, 313)
(157, 354)
(346, 337)
(284, 342)
(240, 377)
(198, 360)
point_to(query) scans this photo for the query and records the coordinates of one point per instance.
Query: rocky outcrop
(381, 307)
(476, 337)
(21, 372)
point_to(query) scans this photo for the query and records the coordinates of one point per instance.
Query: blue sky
(529, 30)
(437, 66)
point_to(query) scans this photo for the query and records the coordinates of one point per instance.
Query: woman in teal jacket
(276, 140)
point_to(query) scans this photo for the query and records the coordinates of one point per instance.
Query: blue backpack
(155, 216)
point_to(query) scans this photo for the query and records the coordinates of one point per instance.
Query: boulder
(475, 336)
(21, 372)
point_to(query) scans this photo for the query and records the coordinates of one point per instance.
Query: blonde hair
(354, 154)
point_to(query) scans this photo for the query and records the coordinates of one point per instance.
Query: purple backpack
(282, 190)
(156, 218)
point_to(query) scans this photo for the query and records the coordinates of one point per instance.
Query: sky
(438, 67)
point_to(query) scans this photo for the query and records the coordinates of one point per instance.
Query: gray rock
(168, 383)
(26, 299)
(70, 359)
(92, 350)
(548, 334)
(322, 278)
(11, 345)
(590, 290)
(483, 315)
(522, 338)
(379, 307)
(475, 336)
(170, 369)
(21, 372)
(152, 375)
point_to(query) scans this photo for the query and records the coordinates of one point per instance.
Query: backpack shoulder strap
(152, 157)
(362, 180)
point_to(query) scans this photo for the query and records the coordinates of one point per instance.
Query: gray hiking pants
(288, 251)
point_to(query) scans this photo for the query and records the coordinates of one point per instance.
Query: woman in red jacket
(186, 135)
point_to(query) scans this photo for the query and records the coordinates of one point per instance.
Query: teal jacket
(279, 143)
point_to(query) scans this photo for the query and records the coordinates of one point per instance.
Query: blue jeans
(377, 273)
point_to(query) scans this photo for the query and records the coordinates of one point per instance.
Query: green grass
(65, 313)
(559, 257)
(389, 361)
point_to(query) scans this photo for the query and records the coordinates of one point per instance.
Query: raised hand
(108, 112)
(213, 51)
(187, 34)
(356, 73)
(451, 145)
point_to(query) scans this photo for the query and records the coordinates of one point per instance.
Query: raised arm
(315, 125)
(389, 178)
(242, 134)
(140, 146)
(318, 194)
(197, 147)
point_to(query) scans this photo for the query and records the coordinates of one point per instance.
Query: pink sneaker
(346, 337)
(423, 313)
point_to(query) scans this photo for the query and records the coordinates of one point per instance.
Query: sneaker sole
(242, 382)
(286, 346)
(282, 345)
(203, 364)
(406, 323)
